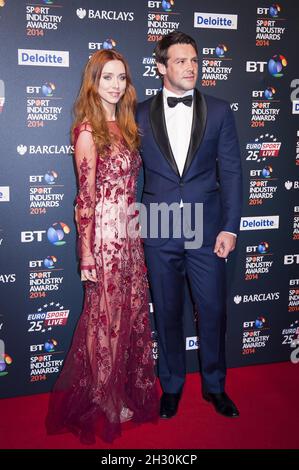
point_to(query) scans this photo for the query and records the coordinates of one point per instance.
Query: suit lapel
(198, 127)
(159, 129)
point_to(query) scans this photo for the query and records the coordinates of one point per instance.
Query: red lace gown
(108, 375)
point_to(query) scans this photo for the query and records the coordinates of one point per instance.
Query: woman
(108, 376)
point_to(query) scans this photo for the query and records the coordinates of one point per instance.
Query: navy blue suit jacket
(212, 173)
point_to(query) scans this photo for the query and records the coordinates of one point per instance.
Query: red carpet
(267, 396)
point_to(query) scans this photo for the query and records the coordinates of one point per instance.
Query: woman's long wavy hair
(88, 106)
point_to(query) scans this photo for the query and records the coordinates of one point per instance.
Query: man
(191, 155)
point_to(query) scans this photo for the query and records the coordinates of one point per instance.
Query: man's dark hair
(176, 37)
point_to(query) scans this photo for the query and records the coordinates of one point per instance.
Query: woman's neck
(110, 111)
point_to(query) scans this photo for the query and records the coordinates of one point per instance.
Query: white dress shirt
(179, 124)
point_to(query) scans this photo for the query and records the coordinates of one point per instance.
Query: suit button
(181, 185)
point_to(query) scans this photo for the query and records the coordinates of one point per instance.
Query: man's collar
(167, 93)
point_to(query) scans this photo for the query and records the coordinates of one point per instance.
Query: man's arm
(230, 173)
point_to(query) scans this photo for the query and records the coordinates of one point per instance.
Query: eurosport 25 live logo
(45, 318)
(263, 147)
(290, 337)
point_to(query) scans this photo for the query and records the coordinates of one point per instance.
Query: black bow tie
(172, 101)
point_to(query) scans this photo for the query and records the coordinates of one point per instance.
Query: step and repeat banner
(248, 56)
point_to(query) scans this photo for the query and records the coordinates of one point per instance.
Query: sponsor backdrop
(247, 56)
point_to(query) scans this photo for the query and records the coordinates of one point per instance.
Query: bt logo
(55, 234)
(273, 11)
(107, 44)
(291, 259)
(48, 346)
(264, 173)
(262, 248)
(258, 323)
(220, 50)
(49, 178)
(5, 359)
(275, 65)
(48, 263)
(268, 93)
(47, 89)
(32, 235)
(166, 5)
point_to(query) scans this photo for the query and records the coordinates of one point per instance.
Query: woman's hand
(88, 269)
(89, 275)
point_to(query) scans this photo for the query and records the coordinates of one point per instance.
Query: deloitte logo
(215, 21)
(192, 342)
(43, 58)
(260, 222)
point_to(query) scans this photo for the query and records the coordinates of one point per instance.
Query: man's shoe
(222, 404)
(169, 405)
